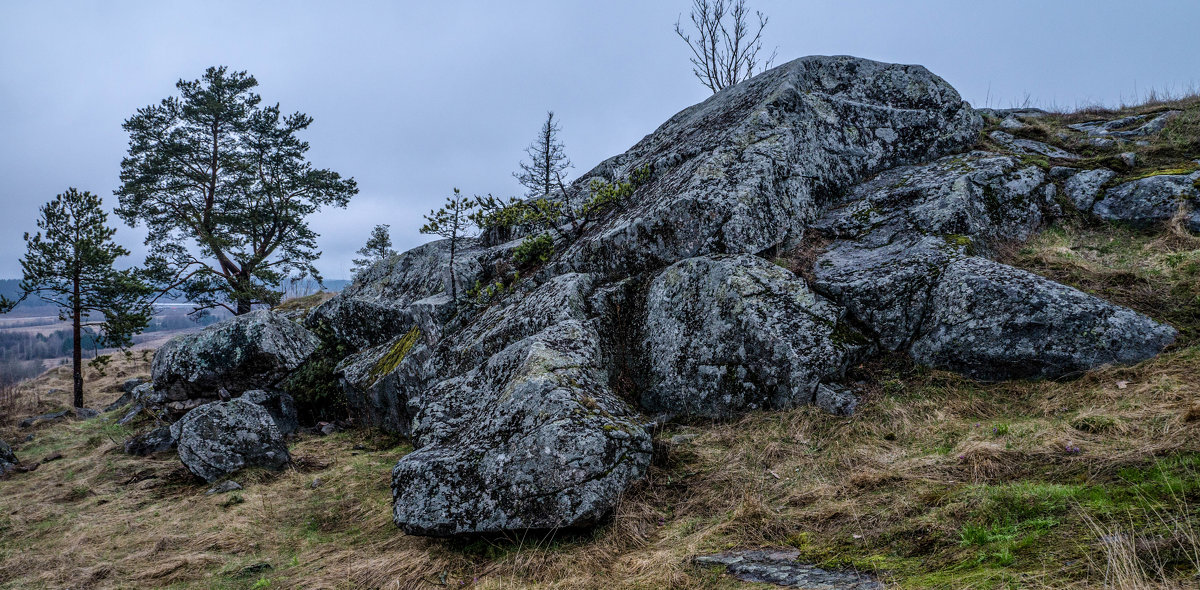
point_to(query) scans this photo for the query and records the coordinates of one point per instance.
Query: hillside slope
(1087, 475)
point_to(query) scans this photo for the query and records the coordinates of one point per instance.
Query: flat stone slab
(779, 567)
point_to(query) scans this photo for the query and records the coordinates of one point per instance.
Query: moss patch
(395, 355)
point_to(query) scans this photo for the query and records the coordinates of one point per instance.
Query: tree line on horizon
(223, 185)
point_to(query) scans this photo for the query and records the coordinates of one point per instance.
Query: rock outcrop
(749, 169)
(529, 408)
(992, 321)
(252, 351)
(909, 262)
(220, 438)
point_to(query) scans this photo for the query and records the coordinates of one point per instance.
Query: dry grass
(889, 490)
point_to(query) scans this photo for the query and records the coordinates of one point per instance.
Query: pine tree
(379, 246)
(452, 221)
(70, 264)
(224, 187)
(547, 161)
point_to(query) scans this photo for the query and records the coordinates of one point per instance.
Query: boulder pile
(763, 241)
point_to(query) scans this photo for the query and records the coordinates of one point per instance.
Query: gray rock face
(747, 169)
(377, 306)
(896, 233)
(523, 433)
(220, 438)
(377, 382)
(8, 461)
(279, 405)
(251, 351)
(158, 440)
(1083, 187)
(734, 333)
(992, 321)
(1153, 199)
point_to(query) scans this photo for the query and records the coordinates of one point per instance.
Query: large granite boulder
(908, 261)
(519, 429)
(1153, 199)
(728, 334)
(748, 169)
(220, 438)
(991, 321)
(544, 444)
(252, 351)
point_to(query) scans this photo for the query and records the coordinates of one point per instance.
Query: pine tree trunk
(77, 346)
(453, 288)
(243, 303)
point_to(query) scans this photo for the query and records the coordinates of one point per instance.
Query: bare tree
(724, 51)
(547, 160)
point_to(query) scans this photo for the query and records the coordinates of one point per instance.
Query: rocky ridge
(534, 409)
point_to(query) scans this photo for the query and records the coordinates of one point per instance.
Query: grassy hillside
(936, 482)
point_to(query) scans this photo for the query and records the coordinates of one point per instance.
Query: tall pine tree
(224, 187)
(70, 263)
(547, 161)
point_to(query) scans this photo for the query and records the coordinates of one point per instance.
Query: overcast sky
(413, 99)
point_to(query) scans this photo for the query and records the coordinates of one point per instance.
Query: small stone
(1129, 158)
(1011, 122)
(148, 443)
(836, 399)
(52, 457)
(86, 413)
(223, 487)
(28, 422)
(316, 483)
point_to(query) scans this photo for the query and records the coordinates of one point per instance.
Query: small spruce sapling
(379, 246)
(452, 221)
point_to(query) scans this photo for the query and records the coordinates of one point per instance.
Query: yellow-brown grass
(886, 490)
